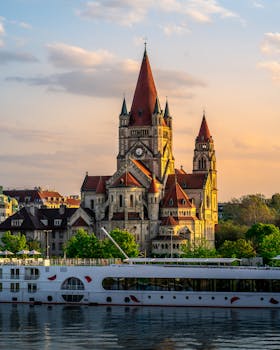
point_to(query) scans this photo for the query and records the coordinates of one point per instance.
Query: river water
(151, 328)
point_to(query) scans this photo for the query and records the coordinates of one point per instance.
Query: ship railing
(59, 262)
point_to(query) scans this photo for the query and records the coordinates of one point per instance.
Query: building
(162, 206)
(51, 227)
(40, 197)
(8, 205)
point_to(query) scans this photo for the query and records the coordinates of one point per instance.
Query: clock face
(139, 151)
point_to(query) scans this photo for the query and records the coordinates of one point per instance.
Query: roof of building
(38, 219)
(145, 94)
(176, 197)
(153, 186)
(204, 133)
(126, 180)
(101, 187)
(142, 168)
(187, 181)
(90, 182)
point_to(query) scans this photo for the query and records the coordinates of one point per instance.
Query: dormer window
(57, 222)
(183, 201)
(171, 201)
(16, 223)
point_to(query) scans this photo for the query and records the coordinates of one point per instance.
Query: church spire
(166, 110)
(124, 109)
(144, 96)
(157, 108)
(204, 133)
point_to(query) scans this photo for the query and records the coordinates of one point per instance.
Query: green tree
(83, 245)
(229, 231)
(270, 246)
(258, 231)
(125, 240)
(13, 243)
(249, 210)
(199, 249)
(237, 249)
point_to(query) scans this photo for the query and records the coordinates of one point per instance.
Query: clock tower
(145, 133)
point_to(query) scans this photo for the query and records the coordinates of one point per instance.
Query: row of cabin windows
(191, 284)
(30, 273)
(15, 287)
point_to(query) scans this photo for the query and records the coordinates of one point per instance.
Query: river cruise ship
(135, 282)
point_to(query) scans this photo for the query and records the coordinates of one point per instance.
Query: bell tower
(145, 133)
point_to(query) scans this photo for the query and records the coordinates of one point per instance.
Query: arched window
(202, 163)
(73, 283)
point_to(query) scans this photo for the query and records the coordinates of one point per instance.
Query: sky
(65, 66)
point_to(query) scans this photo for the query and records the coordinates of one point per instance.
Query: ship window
(1, 287)
(73, 283)
(1, 274)
(32, 287)
(72, 298)
(31, 273)
(14, 287)
(14, 274)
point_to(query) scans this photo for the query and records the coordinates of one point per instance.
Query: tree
(198, 250)
(83, 245)
(13, 243)
(237, 249)
(125, 240)
(249, 210)
(258, 231)
(270, 246)
(228, 230)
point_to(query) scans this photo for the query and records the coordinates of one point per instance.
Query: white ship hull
(136, 285)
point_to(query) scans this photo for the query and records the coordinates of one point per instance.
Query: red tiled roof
(144, 96)
(101, 188)
(73, 202)
(153, 186)
(187, 181)
(169, 221)
(180, 171)
(49, 194)
(204, 133)
(128, 180)
(90, 182)
(142, 167)
(175, 197)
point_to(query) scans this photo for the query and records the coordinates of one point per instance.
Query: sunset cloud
(67, 56)
(271, 43)
(128, 13)
(273, 67)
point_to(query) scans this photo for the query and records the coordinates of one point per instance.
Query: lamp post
(47, 244)
(171, 241)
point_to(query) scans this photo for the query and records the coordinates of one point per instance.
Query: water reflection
(143, 328)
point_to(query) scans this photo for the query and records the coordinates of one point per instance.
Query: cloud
(257, 4)
(273, 67)
(112, 81)
(22, 133)
(128, 13)
(123, 12)
(13, 56)
(177, 29)
(2, 30)
(271, 43)
(66, 56)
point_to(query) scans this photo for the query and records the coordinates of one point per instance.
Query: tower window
(120, 200)
(202, 163)
(131, 200)
(91, 204)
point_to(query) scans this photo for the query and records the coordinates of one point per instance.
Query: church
(162, 206)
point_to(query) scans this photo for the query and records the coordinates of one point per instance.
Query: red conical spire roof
(144, 96)
(204, 133)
